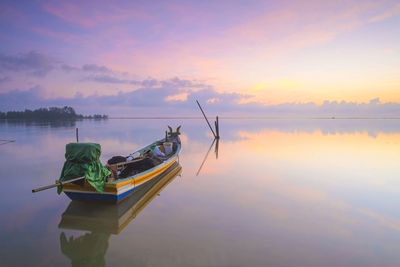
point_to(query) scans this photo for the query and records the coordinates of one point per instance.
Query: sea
(269, 192)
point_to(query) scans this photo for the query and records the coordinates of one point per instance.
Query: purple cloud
(34, 63)
(91, 68)
(20, 100)
(174, 83)
(108, 79)
(176, 95)
(68, 68)
(158, 99)
(95, 68)
(5, 79)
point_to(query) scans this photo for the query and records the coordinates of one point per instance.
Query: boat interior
(123, 167)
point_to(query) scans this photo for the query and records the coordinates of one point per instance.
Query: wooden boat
(129, 175)
(112, 219)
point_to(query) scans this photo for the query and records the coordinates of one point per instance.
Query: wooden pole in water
(77, 135)
(217, 128)
(215, 124)
(56, 184)
(209, 125)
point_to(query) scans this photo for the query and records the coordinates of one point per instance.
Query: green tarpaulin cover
(83, 159)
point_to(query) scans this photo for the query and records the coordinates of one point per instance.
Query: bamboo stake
(217, 127)
(56, 184)
(209, 125)
(215, 124)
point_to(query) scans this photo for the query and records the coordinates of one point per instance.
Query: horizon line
(251, 117)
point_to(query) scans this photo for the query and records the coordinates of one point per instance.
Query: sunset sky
(262, 52)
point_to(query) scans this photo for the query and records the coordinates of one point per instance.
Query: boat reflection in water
(102, 220)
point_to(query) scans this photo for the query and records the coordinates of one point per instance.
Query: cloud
(109, 79)
(34, 63)
(20, 100)
(71, 38)
(37, 63)
(11, 14)
(173, 83)
(68, 68)
(177, 96)
(95, 68)
(5, 79)
(91, 68)
(149, 82)
(393, 11)
(375, 108)
(88, 14)
(387, 221)
(104, 78)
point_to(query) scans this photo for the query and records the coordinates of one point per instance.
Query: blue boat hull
(98, 196)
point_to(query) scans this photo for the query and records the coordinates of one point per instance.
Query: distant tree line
(48, 114)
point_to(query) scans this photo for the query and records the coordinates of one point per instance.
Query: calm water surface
(281, 193)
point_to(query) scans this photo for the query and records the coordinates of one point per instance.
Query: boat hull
(98, 196)
(113, 193)
(117, 191)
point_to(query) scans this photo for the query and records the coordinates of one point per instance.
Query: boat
(129, 173)
(110, 218)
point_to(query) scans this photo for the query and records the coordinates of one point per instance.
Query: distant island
(48, 114)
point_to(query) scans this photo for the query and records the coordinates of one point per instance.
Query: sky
(244, 57)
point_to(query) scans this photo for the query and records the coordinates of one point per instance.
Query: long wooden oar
(56, 184)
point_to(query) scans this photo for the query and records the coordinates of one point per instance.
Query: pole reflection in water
(216, 141)
(103, 220)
